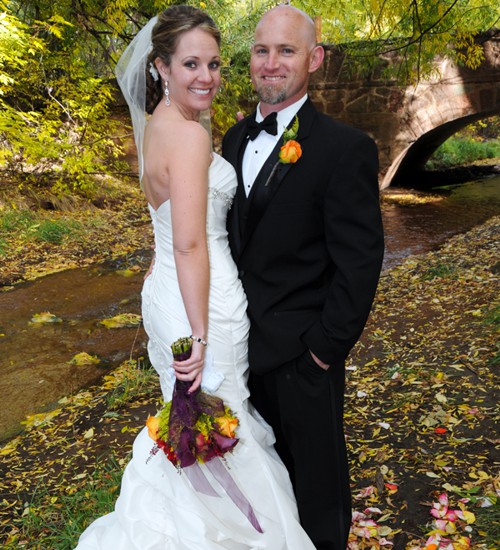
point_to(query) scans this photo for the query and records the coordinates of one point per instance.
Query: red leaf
(440, 430)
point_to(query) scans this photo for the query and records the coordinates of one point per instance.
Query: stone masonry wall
(398, 116)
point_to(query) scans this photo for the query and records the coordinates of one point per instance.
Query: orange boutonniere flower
(290, 151)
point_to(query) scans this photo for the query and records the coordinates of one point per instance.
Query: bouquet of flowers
(193, 426)
(197, 428)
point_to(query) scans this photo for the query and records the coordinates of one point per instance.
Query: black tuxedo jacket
(309, 244)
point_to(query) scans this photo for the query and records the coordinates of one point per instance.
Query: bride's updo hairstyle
(171, 25)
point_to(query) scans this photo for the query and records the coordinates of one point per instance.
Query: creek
(35, 368)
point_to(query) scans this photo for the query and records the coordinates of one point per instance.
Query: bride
(171, 71)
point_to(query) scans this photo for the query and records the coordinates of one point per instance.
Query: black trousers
(304, 405)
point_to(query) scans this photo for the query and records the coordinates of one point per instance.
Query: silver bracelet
(199, 340)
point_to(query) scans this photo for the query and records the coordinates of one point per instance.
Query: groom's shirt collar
(258, 150)
(285, 116)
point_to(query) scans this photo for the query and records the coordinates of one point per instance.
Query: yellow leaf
(123, 320)
(89, 433)
(450, 528)
(10, 447)
(84, 358)
(128, 272)
(45, 318)
(441, 398)
(469, 517)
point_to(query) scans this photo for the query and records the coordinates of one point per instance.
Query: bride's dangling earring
(167, 94)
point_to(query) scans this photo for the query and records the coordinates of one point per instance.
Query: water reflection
(417, 229)
(34, 359)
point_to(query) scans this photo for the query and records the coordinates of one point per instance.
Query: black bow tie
(269, 125)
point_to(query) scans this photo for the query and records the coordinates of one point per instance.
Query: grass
(488, 522)
(61, 519)
(462, 150)
(38, 227)
(440, 270)
(132, 383)
(16, 220)
(54, 231)
(492, 317)
(4, 247)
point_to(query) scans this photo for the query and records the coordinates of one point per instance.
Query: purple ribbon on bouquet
(190, 446)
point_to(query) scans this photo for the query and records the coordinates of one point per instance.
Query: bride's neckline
(156, 210)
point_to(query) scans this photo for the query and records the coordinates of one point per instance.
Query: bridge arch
(414, 157)
(410, 122)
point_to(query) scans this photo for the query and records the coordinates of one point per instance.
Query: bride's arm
(188, 163)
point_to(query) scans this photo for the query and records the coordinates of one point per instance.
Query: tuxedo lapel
(236, 223)
(270, 178)
(260, 195)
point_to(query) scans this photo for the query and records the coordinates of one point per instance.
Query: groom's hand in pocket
(319, 362)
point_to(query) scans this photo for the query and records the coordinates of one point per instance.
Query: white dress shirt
(258, 150)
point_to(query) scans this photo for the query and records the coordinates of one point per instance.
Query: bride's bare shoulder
(175, 127)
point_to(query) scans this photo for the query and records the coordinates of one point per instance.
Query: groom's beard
(271, 95)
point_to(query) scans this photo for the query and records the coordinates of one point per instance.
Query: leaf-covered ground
(41, 233)
(420, 420)
(423, 393)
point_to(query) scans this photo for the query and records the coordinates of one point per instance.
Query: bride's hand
(191, 369)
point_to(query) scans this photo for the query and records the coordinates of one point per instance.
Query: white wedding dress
(158, 509)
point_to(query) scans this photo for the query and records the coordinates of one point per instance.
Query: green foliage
(411, 31)
(237, 31)
(458, 151)
(57, 59)
(55, 127)
(440, 270)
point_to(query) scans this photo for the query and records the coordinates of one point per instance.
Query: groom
(307, 238)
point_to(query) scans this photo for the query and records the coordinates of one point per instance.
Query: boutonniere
(290, 151)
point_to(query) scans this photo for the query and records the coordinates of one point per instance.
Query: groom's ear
(316, 58)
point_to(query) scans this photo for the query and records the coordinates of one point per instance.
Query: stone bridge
(410, 122)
